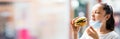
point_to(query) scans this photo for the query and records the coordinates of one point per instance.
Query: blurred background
(46, 19)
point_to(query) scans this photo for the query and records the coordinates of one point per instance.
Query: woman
(104, 14)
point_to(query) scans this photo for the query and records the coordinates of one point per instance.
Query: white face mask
(95, 24)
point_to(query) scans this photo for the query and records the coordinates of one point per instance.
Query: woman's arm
(75, 35)
(75, 29)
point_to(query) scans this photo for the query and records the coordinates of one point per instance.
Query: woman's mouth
(93, 19)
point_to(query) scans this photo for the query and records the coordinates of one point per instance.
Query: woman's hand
(91, 32)
(75, 29)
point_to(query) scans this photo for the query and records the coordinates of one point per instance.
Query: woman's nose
(93, 15)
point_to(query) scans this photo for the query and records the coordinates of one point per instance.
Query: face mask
(95, 24)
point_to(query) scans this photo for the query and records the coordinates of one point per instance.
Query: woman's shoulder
(114, 35)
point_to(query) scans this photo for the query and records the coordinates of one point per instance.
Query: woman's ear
(107, 17)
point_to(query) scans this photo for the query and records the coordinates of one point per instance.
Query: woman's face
(98, 13)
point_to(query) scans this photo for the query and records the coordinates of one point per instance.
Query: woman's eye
(97, 12)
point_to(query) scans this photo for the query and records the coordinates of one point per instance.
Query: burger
(82, 21)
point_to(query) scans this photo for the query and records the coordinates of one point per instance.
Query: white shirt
(110, 35)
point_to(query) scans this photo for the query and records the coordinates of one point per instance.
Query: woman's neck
(103, 29)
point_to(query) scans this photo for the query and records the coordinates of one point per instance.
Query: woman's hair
(110, 22)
